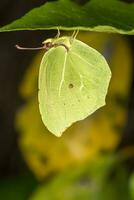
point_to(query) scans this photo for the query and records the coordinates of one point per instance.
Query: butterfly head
(55, 42)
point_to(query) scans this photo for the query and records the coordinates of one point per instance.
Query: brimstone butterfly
(73, 82)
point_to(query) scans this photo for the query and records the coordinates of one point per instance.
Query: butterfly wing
(51, 76)
(72, 85)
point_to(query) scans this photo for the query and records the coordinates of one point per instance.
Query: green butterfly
(73, 82)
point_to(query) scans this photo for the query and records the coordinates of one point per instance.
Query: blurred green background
(94, 159)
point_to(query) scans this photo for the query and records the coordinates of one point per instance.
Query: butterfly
(73, 82)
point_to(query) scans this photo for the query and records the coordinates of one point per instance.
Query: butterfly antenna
(24, 48)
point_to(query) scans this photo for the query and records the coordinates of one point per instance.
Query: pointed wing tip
(57, 134)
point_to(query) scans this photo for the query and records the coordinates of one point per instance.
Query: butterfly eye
(48, 45)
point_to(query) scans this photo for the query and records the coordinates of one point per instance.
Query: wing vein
(63, 74)
(82, 59)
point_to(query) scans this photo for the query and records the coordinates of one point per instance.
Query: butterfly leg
(58, 33)
(74, 35)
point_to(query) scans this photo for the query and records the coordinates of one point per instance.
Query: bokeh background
(94, 159)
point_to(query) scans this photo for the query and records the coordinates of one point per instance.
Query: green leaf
(17, 187)
(88, 181)
(84, 182)
(131, 186)
(103, 16)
